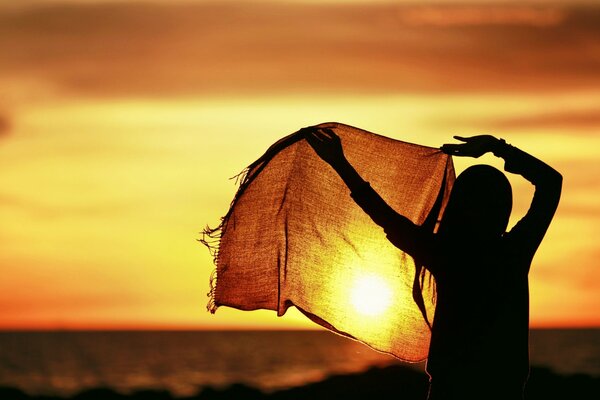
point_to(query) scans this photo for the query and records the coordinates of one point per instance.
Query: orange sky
(120, 124)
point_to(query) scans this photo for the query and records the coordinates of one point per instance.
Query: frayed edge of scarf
(211, 306)
(211, 238)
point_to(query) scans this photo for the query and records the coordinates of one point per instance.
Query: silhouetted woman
(479, 339)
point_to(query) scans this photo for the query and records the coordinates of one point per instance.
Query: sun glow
(371, 295)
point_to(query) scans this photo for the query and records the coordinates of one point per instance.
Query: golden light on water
(371, 295)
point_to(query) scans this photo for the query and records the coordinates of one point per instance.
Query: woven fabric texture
(294, 237)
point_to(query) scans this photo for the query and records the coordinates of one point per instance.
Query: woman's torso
(480, 327)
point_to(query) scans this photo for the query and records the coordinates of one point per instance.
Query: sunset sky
(122, 122)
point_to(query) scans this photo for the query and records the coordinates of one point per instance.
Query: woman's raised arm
(528, 233)
(402, 232)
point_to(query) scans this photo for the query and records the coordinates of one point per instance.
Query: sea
(64, 363)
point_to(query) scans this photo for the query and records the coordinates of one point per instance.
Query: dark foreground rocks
(396, 382)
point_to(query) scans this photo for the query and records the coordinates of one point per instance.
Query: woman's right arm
(402, 232)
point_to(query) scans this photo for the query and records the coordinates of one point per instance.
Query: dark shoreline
(388, 382)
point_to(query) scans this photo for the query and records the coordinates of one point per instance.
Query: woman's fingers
(460, 150)
(314, 137)
(326, 135)
(321, 139)
(332, 137)
(461, 138)
(451, 148)
(329, 132)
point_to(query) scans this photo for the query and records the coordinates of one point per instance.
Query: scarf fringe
(211, 237)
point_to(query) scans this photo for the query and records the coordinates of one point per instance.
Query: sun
(371, 295)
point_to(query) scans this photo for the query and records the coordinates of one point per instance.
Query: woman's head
(480, 204)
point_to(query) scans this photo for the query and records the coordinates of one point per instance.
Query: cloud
(571, 119)
(150, 50)
(444, 16)
(41, 209)
(579, 277)
(5, 125)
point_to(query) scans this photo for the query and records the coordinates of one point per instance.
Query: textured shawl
(294, 237)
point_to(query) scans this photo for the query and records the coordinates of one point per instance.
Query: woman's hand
(474, 146)
(326, 144)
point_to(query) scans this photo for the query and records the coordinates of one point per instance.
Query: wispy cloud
(573, 119)
(218, 48)
(4, 124)
(483, 16)
(48, 210)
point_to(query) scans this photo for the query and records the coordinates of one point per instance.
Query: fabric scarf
(293, 236)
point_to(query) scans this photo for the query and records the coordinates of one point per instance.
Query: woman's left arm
(530, 230)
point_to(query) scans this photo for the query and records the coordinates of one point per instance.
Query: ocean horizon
(64, 363)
